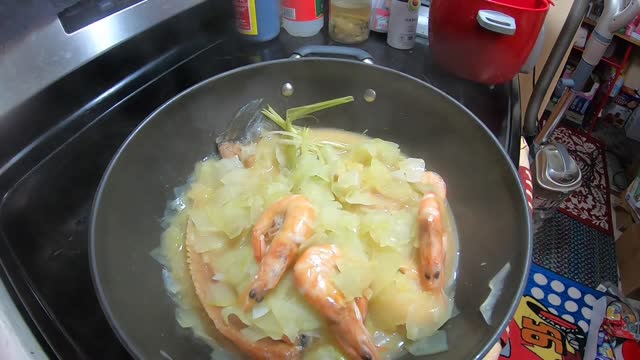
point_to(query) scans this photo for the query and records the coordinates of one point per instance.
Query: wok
(484, 192)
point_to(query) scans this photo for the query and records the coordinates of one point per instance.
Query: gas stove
(58, 142)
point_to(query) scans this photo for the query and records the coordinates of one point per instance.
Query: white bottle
(403, 22)
(302, 17)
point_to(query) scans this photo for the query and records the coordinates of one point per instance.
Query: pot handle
(497, 22)
(333, 50)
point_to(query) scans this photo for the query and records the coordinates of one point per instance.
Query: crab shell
(263, 349)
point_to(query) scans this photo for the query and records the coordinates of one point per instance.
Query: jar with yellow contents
(349, 20)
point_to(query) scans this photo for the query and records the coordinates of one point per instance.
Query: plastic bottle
(302, 17)
(617, 86)
(258, 20)
(403, 23)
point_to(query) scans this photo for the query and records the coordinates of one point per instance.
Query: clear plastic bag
(247, 125)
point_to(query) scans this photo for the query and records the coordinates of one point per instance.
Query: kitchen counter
(57, 143)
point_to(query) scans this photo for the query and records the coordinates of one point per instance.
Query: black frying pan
(484, 192)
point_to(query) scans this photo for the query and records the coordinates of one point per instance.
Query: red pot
(483, 40)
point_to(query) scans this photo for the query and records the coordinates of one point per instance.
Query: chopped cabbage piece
(317, 191)
(354, 276)
(259, 310)
(309, 165)
(399, 190)
(230, 218)
(270, 325)
(237, 265)
(186, 317)
(275, 189)
(361, 198)
(337, 221)
(345, 182)
(385, 151)
(253, 333)
(210, 172)
(389, 307)
(392, 344)
(200, 193)
(411, 170)
(390, 230)
(221, 294)
(496, 284)
(293, 313)
(377, 174)
(207, 241)
(385, 263)
(427, 315)
(238, 177)
(330, 155)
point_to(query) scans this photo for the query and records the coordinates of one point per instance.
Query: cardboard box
(623, 218)
(632, 125)
(628, 252)
(634, 169)
(632, 199)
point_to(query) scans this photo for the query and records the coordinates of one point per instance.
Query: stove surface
(49, 181)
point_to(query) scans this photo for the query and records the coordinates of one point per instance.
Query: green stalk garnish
(276, 118)
(297, 113)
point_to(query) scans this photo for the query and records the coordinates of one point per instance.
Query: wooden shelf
(622, 36)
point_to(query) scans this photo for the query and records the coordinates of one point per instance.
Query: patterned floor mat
(590, 203)
(576, 251)
(552, 320)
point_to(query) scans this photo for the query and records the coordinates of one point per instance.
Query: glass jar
(349, 20)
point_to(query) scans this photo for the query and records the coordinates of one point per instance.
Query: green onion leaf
(296, 113)
(273, 116)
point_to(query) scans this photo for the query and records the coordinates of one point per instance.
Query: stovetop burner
(50, 185)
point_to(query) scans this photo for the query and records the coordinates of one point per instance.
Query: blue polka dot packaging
(552, 320)
(615, 327)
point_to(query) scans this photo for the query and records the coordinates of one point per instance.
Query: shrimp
(432, 235)
(313, 272)
(432, 239)
(289, 221)
(231, 149)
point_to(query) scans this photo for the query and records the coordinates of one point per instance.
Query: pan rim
(106, 307)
